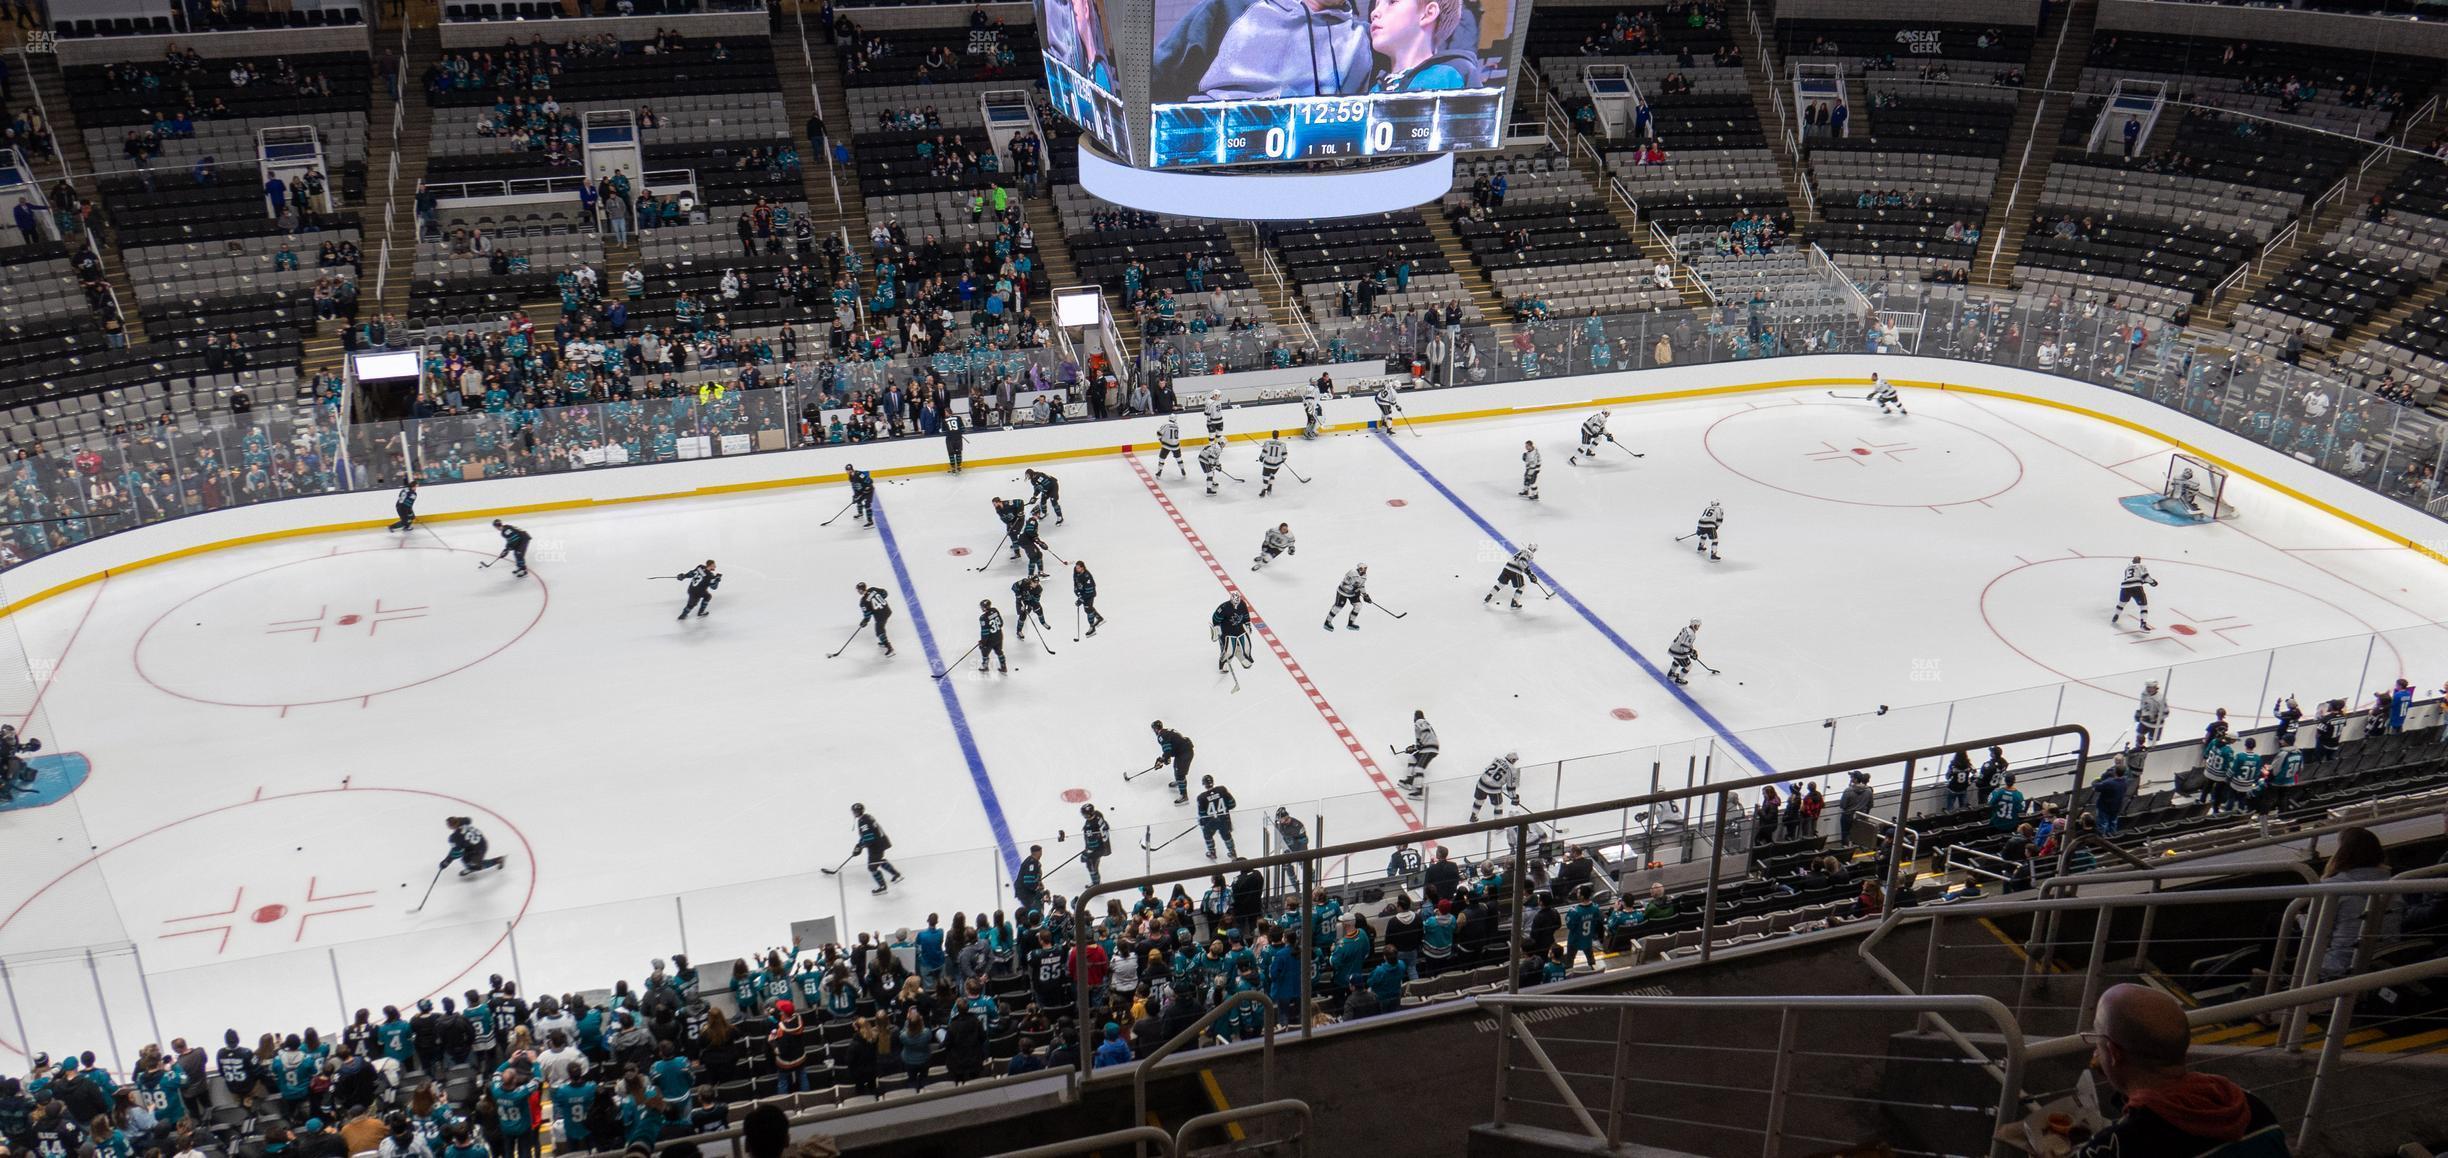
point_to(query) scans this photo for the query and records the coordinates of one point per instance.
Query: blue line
(1570, 600)
(951, 698)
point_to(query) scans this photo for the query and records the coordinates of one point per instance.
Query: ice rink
(276, 731)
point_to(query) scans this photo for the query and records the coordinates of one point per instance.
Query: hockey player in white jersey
(1423, 749)
(1211, 461)
(1685, 651)
(1271, 458)
(1712, 517)
(1313, 409)
(1278, 541)
(2150, 715)
(1351, 592)
(2130, 589)
(1885, 395)
(1530, 471)
(1515, 575)
(1168, 446)
(2183, 495)
(1593, 428)
(1214, 409)
(1499, 784)
(1387, 404)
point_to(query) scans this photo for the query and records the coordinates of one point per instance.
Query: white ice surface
(659, 783)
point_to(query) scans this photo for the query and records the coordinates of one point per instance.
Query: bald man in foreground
(2138, 1042)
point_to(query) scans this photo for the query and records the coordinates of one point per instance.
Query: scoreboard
(1326, 128)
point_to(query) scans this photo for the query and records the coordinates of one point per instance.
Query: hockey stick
(993, 553)
(1127, 777)
(1235, 673)
(1388, 610)
(1066, 862)
(1849, 397)
(1041, 633)
(1144, 846)
(854, 634)
(1230, 475)
(1705, 667)
(964, 656)
(837, 514)
(1075, 621)
(1042, 545)
(487, 564)
(1625, 449)
(837, 867)
(429, 888)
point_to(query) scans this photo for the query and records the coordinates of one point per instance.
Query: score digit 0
(1380, 136)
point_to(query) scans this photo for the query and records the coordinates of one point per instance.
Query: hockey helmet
(1512, 757)
(1087, 810)
(1695, 621)
(1156, 725)
(858, 810)
(1208, 781)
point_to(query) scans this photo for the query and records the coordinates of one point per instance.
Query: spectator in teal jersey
(2006, 806)
(513, 1093)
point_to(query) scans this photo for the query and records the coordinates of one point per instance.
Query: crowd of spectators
(531, 66)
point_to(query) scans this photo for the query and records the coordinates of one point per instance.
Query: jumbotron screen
(1255, 81)
(1080, 69)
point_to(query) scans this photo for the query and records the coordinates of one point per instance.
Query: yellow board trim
(2395, 539)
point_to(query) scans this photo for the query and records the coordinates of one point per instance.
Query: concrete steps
(1763, 75)
(1493, 309)
(411, 149)
(1054, 254)
(2037, 129)
(42, 73)
(1283, 301)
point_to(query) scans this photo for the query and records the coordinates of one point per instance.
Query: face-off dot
(268, 914)
(1862, 451)
(957, 551)
(1624, 714)
(1397, 503)
(350, 620)
(2182, 629)
(1075, 796)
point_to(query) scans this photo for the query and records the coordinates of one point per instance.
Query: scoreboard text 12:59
(1324, 128)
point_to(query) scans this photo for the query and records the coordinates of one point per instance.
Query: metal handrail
(2008, 1072)
(1138, 1136)
(1520, 829)
(1894, 919)
(1263, 1109)
(1142, 1069)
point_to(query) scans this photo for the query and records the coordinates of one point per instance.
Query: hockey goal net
(2195, 486)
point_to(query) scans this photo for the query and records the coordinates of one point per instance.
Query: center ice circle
(335, 628)
(1843, 454)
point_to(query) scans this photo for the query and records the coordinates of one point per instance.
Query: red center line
(1283, 655)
